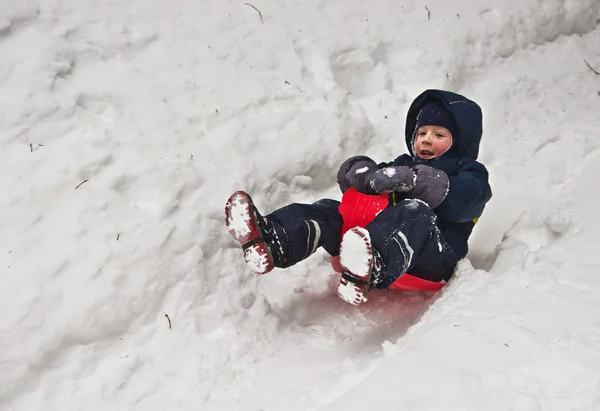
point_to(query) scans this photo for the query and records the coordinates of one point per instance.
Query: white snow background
(126, 124)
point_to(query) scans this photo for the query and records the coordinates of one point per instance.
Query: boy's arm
(468, 192)
(361, 172)
(403, 160)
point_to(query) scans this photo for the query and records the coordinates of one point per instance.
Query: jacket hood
(467, 115)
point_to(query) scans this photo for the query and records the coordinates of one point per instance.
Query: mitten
(395, 178)
(431, 185)
(357, 172)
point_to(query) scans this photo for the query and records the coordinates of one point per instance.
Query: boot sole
(242, 222)
(356, 259)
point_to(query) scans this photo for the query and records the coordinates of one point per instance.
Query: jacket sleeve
(403, 160)
(468, 192)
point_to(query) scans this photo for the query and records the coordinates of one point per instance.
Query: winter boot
(254, 232)
(361, 265)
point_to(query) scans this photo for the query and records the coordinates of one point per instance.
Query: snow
(126, 125)
(350, 293)
(389, 171)
(239, 216)
(355, 251)
(258, 261)
(356, 256)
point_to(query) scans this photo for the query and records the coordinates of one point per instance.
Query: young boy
(436, 194)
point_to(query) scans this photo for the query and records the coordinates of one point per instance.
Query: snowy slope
(125, 125)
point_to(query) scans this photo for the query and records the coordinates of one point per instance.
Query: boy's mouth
(426, 153)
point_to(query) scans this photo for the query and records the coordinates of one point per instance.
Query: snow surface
(126, 124)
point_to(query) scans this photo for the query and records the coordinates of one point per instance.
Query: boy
(436, 194)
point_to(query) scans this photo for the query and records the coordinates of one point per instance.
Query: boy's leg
(403, 238)
(284, 237)
(302, 228)
(408, 241)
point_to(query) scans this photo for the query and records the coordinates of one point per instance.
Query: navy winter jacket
(469, 189)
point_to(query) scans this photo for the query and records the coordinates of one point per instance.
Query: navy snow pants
(405, 235)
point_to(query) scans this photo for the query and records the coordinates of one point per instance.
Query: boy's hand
(396, 178)
(431, 185)
(357, 172)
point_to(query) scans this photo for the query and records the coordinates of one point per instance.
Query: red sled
(358, 210)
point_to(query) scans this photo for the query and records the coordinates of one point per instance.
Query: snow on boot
(255, 233)
(361, 266)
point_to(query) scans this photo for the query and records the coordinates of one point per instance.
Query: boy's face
(432, 141)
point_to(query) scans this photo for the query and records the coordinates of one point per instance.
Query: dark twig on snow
(167, 315)
(31, 147)
(259, 13)
(118, 235)
(79, 185)
(428, 13)
(590, 67)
